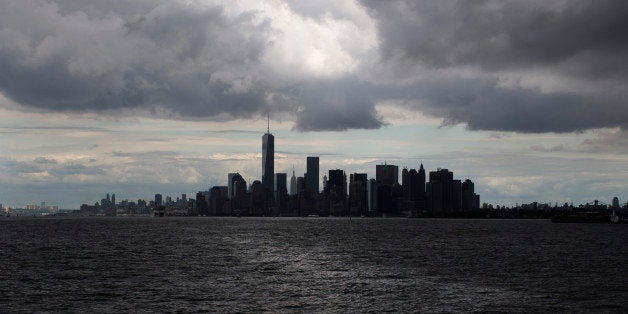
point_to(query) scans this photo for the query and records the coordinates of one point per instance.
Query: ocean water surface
(310, 265)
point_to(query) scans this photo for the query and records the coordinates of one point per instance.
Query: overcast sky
(526, 98)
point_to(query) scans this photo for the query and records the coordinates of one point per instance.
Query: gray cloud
(483, 106)
(172, 60)
(166, 58)
(499, 35)
(576, 42)
(336, 105)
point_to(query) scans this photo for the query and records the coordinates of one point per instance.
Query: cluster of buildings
(418, 193)
(340, 195)
(355, 194)
(31, 209)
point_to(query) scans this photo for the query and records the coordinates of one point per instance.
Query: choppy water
(310, 265)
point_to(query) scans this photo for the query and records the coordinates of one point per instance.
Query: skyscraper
(441, 190)
(337, 181)
(312, 174)
(281, 180)
(293, 183)
(387, 174)
(421, 181)
(268, 160)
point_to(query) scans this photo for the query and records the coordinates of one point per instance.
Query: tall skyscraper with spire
(422, 180)
(293, 183)
(268, 159)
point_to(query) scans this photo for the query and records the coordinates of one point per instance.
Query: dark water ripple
(310, 265)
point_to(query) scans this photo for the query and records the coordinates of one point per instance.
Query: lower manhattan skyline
(145, 97)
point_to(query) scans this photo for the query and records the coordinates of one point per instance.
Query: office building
(281, 182)
(312, 175)
(268, 160)
(386, 174)
(293, 183)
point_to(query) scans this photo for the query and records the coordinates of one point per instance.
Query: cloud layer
(533, 66)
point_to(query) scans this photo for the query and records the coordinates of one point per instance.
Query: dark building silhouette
(268, 160)
(300, 185)
(312, 174)
(235, 185)
(456, 195)
(358, 202)
(387, 174)
(422, 181)
(261, 199)
(201, 204)
(468, 194)
(372, 199)
(440, 191)
(281, 192)
(387, 177)
(281, 182)
(411, 184)
(337, 192)
(337, 180)
(293, 183)
(218, 198)
(158, 200)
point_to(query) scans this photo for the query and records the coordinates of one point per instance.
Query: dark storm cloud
(507, 34)
(200, 62)
(167, 58)
(483, 106)
(336, 105)
(575, 41)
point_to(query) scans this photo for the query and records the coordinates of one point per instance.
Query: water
(310, 265)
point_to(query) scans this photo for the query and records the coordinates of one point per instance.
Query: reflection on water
(311, 264)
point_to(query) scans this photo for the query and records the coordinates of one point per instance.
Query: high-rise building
(268, 160)
(411, 184)
(300, 184)
(337, 180)
(387, 174)
(235, 184)
(468, 195)
(230, 176)
(371, 190)
(421, 181)
(293, 183)
(456, 195)
(615, 202)
(440, 194)
(312, 175)
(158, 200)
(358, 202)
(281, 182)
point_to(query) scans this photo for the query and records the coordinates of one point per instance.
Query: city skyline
(143, 97)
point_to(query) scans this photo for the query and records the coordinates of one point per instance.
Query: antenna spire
(269, 122)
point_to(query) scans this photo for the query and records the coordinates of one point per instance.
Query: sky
(525, 98)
